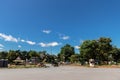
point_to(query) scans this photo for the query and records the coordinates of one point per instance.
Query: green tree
(19, 54)
(51, 58)
(33, 54)
(104, 48)
(75, 58)
(88, 50)
(11, 56)
(96, 49)
(115, 54)
(25, 55)
(42, 55)
(66, 52)
(3, 55)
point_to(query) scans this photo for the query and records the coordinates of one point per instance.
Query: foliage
(3, 55)
(115, 54)
(88, 50)
(66, 52)
(96, 49)
(33, 54)
(12, 55)
(75, 58)
(101, 50)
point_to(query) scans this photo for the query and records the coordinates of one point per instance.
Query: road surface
(61, 73)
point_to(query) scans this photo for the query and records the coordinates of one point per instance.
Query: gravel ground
(61, 73)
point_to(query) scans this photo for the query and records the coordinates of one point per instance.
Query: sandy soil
(61, 73)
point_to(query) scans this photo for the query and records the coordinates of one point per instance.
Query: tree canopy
(66, 52)
(99, 50)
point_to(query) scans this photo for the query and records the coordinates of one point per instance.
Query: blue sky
(50, 24)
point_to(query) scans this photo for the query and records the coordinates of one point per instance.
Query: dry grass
(109, 66)
(23, 66)
(96, 66)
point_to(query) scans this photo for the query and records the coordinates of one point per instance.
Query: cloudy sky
(50, 24)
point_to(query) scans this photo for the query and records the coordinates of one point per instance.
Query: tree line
(101, 50)
(11, 55)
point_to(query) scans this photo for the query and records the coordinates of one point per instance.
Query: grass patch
(23, 66)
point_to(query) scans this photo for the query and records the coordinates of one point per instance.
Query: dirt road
(61, 73)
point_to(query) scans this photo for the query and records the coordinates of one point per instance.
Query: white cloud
(1, 48)
(1, 45)
(77, 47)
(22, 40)
(8, 37)
(46, 31)
(19, 46)
(31, 42)
(52, 44)
(65, 37)
(43, 44)
(13, 39)
(28, 42)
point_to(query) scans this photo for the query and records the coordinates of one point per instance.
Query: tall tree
(33, 53)
(66, 52)
(104, 48)
(96, 49)
(88, 50)
(25, 55)
(75, 58)
(3, 55)
(42, 55)
(115, 54)
(11, 55)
